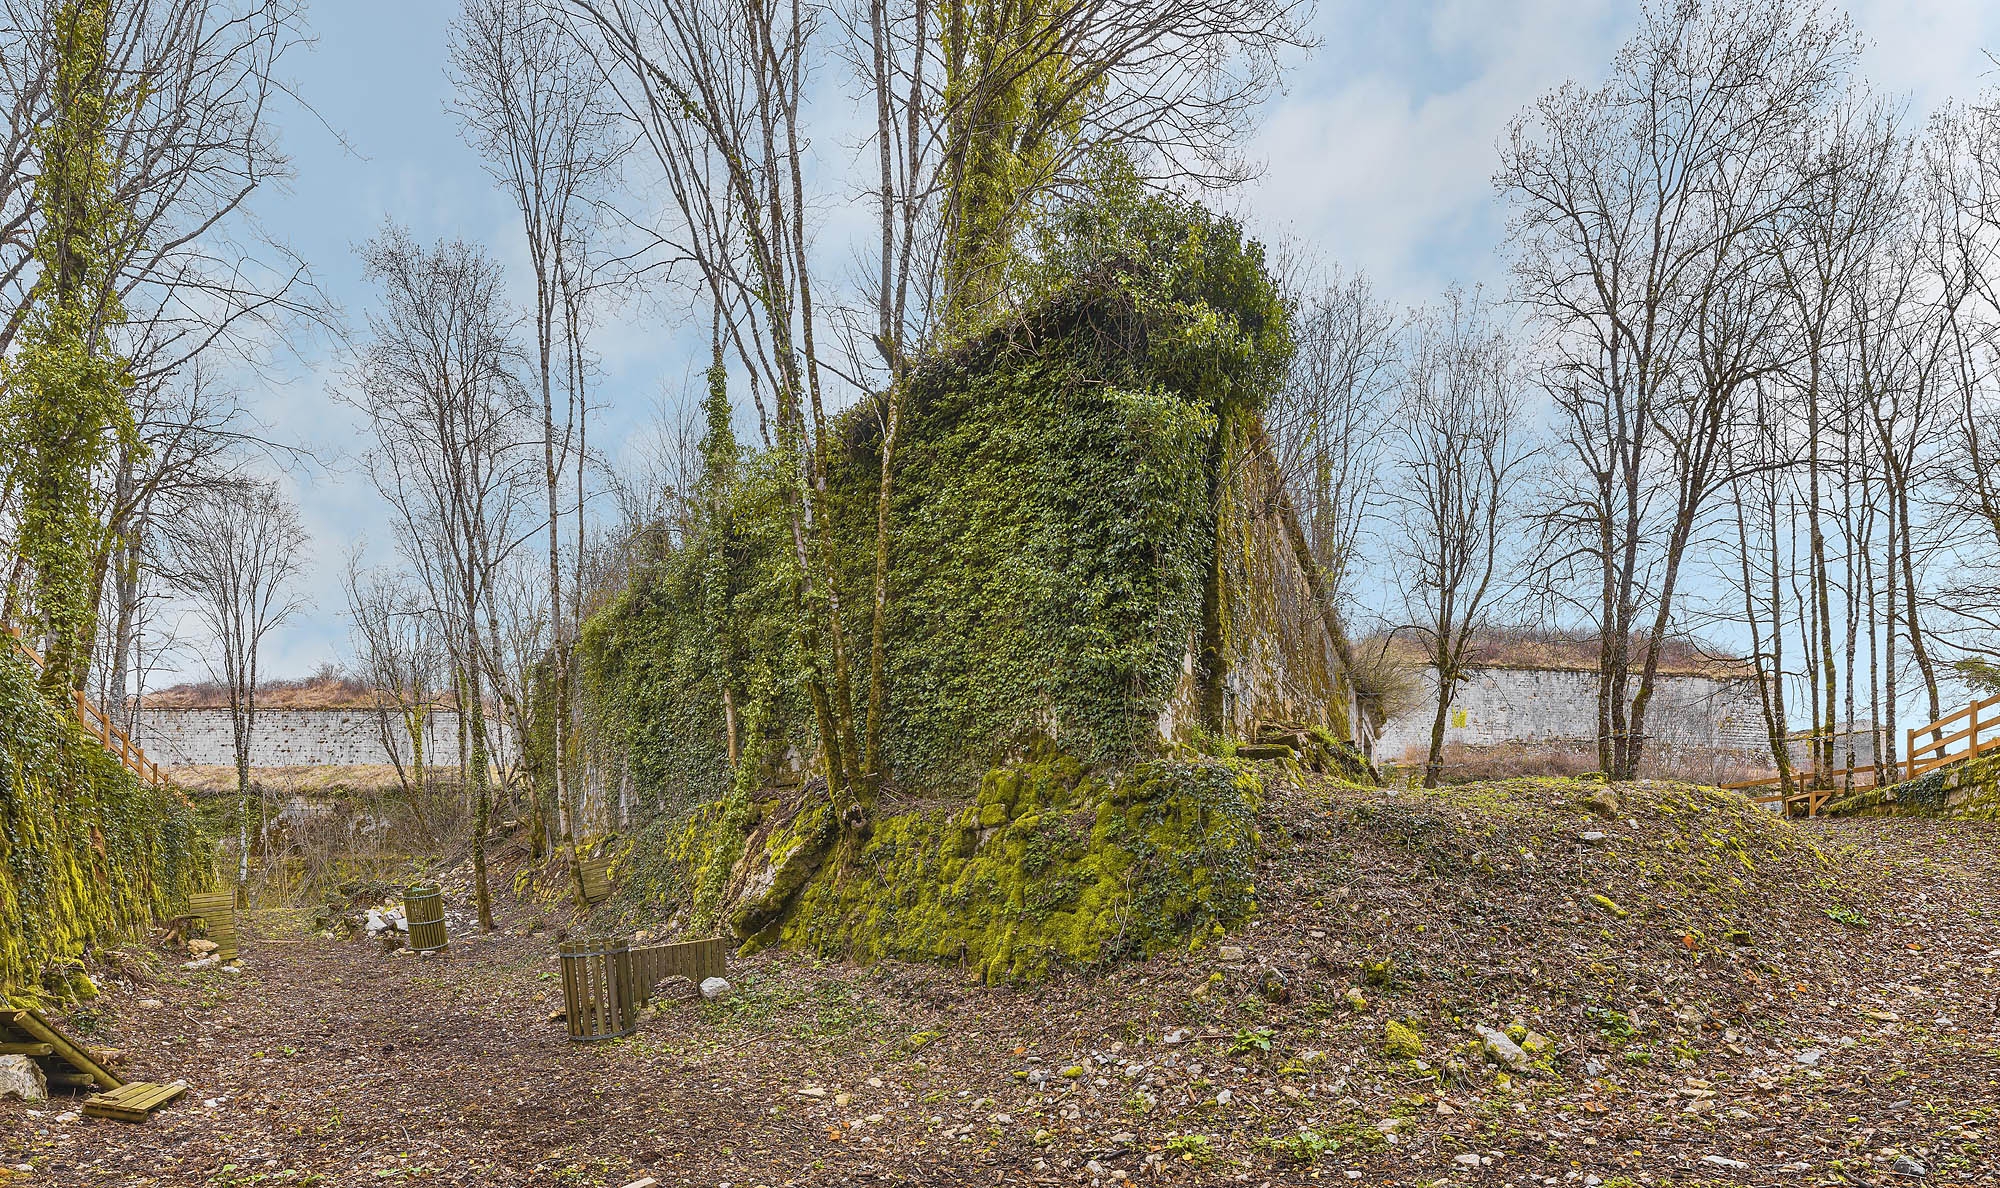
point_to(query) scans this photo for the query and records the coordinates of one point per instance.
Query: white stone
(715, 988)
(1503, 1051)
(202, 948)
(21, 1077)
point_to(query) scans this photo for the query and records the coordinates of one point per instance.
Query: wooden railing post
(1910, 754)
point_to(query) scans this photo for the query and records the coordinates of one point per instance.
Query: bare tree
(439, 382)
(533, 104)
(1327, 423)
(235, 556)
(1459, 448)
(1644, 217)
(405, 661)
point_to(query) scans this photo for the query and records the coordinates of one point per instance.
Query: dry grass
(1571, 651)
(1514, 760)
(313, 779)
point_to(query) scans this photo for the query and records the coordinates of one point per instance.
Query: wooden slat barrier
(606, 981)
(595, 876)
(1980, 716)
(100, 727)
(693, 960)
(599, 1002)
(134, 1102)
(217, 910)
(423, 911)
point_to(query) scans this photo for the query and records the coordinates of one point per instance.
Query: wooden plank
(135, 1102)
(27, 1050)
(595, 876)
(40, 1028)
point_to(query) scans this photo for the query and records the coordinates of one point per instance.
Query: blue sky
(1378, 154)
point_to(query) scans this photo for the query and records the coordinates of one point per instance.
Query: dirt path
(334, 1064)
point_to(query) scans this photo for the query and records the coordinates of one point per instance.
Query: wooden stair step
(134, 1102)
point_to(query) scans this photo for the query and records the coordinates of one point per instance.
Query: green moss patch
(1050, 866)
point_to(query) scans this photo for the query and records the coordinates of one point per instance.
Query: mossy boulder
(1050, 865)
(1401, 1042)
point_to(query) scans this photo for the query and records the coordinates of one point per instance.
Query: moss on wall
(86, 851)
(1968, 790)
(1071, 523)
(1051, 866)
(1052, 533)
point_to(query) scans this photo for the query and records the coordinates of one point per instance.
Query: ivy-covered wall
(87, 852)
(1091, 567)
(1057, 532)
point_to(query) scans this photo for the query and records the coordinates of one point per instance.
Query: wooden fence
(1947, 731)
(1964, 726)
(1808, 797)
(99, 726)
(605, 980)
(217, 910)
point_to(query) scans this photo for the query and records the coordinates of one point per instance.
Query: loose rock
(1503, 1051)
(21, 1077)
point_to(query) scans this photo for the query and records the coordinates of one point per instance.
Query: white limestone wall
(1499, 705)
(288, 737)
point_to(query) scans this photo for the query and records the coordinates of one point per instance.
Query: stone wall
(1281, 660)
(288, 737)
(1540, 705)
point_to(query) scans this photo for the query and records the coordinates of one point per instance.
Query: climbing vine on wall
(86, 851)
(1052, 531)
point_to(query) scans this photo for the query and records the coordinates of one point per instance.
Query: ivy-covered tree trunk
(66, 386)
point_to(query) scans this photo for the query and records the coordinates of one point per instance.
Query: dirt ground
(1828, 1013)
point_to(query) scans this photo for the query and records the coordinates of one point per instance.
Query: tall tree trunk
(473, 724)
(1434, 760)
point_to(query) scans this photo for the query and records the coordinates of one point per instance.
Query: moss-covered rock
(1049, 866)
(1401, 1042)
